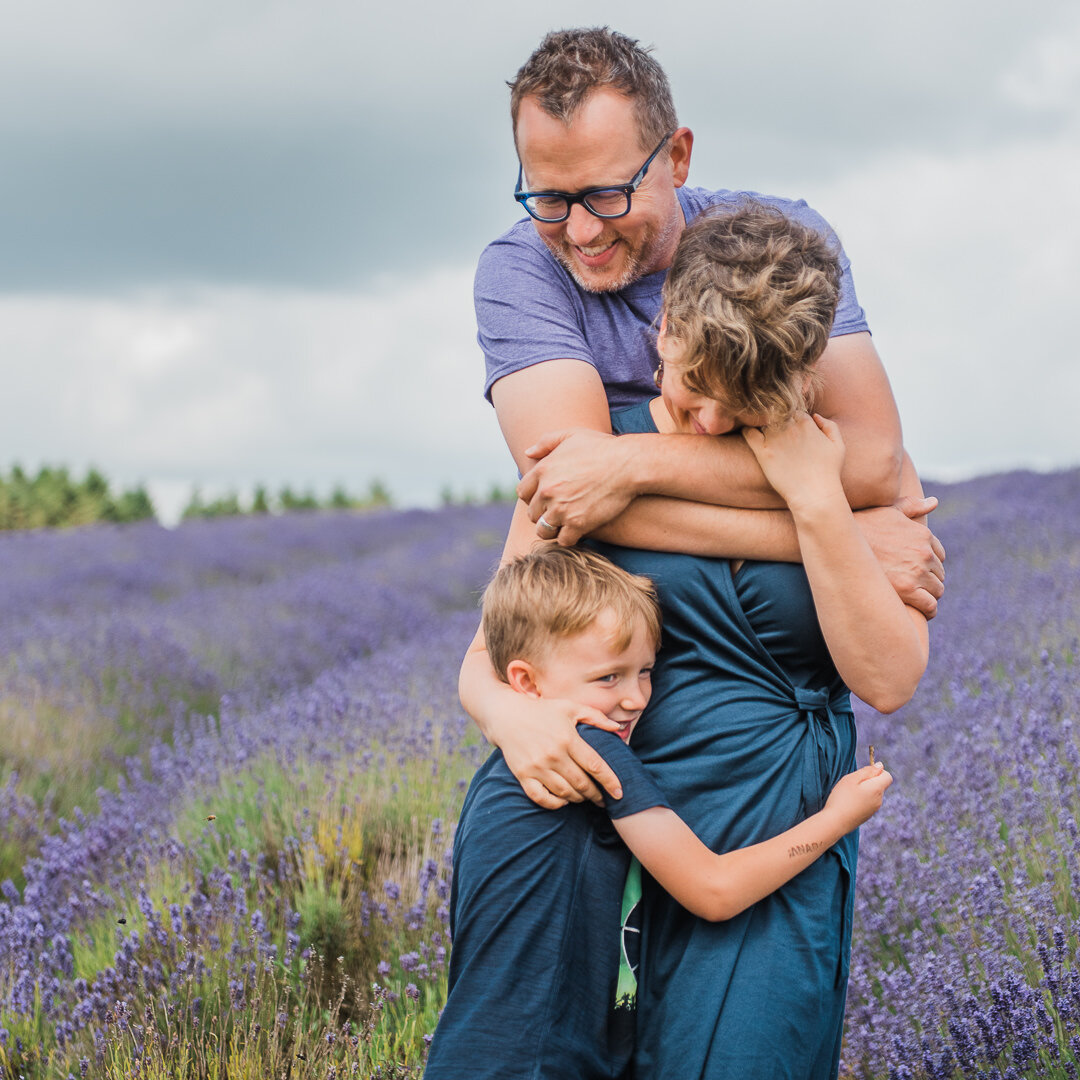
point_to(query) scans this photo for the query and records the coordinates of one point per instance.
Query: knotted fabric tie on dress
(821, 764)
(822, 746)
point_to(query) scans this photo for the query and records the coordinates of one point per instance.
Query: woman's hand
(551, 761)
(857, 796)
(801, 458)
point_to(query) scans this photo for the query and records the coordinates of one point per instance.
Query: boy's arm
(539, 737)
(718, 887)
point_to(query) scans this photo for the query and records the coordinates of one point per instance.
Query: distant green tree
(135, 505)
(290, 501)
(340, 499)
(195, 508)
(378, 494)
(52, 498)
(260, 502)
(227, 505)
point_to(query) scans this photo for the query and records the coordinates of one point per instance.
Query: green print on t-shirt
(629, 939)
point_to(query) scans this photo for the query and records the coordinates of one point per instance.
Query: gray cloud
(270, 144)
(238, 240)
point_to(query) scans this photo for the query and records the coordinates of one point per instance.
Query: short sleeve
(850, 317)
(640, 791)
(526, 310)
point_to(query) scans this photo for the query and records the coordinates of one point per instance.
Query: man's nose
(582, 228)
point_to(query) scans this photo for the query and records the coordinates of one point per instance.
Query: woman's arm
(879, 645)
(581, 480)
(718, 887)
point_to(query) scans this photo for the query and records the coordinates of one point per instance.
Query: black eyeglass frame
(582, 197)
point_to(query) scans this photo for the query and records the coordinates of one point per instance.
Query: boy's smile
(588, 669)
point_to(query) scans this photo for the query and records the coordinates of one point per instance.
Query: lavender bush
(965, 960)
(260, 885)
(258, 866)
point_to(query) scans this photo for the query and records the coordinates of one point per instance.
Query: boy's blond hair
(556, 592)
(751, 296)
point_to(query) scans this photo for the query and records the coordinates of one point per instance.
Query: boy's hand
(553, 764)
(801, 457)
(857, 796)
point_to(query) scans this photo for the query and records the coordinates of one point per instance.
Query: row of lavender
(300, 813)
(111, 635)
(965, 958)
(315, 819)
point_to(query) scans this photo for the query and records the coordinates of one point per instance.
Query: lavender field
(231, 757)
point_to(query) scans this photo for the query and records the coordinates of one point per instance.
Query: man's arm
(594, 485)
(583, 478)
(538, 736)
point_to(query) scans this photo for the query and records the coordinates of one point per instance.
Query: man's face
(601, 147)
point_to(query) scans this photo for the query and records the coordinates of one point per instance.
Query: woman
(750, 723)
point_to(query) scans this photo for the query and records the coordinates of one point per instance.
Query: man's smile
(596, 254)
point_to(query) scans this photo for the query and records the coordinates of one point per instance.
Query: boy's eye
(608, 679)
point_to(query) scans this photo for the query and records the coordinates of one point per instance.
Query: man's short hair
(556, 592)
(570, 64)
(751, 296)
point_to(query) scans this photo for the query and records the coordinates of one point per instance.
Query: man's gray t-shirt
(529, 309)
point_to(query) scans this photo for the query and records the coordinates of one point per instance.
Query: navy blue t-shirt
(535, 920)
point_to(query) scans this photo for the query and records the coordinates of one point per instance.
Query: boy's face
(588, 669)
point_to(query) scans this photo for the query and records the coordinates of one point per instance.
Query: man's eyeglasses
(601, 202)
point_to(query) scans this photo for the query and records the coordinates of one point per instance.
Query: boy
(535, 907)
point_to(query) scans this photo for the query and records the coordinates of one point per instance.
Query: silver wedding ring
(543, 523)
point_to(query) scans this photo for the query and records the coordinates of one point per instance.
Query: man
(565, 304)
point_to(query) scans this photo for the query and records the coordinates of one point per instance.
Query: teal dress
(748, 729)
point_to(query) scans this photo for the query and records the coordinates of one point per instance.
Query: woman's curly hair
(751, 296)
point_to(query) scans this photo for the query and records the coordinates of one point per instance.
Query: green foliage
(495, 494)
(54, 498)
(286, 501)
(227, 505)
(336, 836)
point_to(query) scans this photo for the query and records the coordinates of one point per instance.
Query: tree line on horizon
(54, 498)
(286, 501)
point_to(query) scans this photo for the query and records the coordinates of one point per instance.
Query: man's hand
(910, 554)
(551, 761)
(581, 480)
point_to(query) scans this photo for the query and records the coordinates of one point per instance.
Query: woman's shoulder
(634, 420)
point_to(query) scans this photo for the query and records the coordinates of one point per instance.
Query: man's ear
(521, 676)
(681, 147)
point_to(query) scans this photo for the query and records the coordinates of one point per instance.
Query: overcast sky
(237, 240)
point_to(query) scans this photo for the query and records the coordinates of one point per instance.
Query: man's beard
(639, 260)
